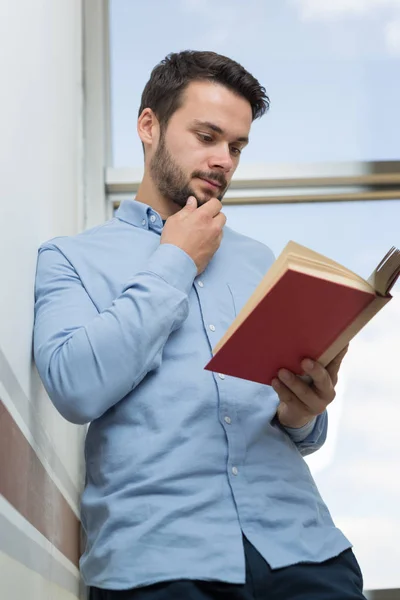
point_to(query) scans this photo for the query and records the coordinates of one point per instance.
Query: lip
(212, 184)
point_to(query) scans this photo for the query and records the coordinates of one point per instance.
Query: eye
(204, 137)
(236, 151)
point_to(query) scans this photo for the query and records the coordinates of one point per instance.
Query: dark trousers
(336, 579)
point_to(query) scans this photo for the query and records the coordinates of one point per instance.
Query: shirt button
(228, 420)
(212, 327)
(201, 284)
(221, 375)
(152, 218)
(144, 222)
(235, 471)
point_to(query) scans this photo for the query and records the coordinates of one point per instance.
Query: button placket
(214, 322)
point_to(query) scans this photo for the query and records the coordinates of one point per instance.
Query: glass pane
(330, 68)
(357, 469)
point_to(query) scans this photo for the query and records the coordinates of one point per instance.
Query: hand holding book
(300, 402)
(306, 306)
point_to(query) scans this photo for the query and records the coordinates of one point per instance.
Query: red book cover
(300, 316)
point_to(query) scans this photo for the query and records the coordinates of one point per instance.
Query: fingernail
(285, 375)
(190, 201)
(307, 364)
(275, 383)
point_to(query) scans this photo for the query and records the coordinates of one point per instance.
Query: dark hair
(168, 80)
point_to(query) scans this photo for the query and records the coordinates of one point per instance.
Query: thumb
(334, 365)
(191, 203)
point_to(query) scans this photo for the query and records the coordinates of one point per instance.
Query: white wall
(41, 158)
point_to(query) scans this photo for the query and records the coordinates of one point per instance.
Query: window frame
(105, 186)
(285, 183)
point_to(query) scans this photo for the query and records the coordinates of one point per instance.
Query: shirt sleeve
(88, 361)
(311, 436)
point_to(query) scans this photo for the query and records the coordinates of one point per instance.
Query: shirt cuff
(298, 434)
(174, 265)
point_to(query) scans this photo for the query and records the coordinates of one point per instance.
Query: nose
(221, 159)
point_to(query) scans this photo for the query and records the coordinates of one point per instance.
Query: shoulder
(248, 249)
(65, 244)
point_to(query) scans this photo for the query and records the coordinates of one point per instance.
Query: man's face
(199, 150)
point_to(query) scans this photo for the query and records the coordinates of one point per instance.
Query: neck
(149, 194)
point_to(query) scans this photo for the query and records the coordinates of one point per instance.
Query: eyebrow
(217, 129)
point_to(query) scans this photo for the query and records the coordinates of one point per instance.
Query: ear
(148, 127)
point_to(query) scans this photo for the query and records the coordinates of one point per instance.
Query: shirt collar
(140, 215)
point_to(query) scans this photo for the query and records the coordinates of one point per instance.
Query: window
(355, 470)
(330, 68)
(331, 71)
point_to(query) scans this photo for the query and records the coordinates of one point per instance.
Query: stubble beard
(172, 182)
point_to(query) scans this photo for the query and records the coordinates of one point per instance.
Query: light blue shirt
(180, 461)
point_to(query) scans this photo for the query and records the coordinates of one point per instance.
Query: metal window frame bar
(284, 183)
(388, 594)
(96, 109)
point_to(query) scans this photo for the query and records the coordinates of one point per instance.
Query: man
(196, 486)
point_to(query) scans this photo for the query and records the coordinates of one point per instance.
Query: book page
(386, 273)
(320, 262)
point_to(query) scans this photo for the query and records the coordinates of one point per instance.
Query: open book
(306, 306)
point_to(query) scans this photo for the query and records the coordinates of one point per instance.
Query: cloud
(317, 10)
(377, 548)
(373, 475)
(336, 10)
(392, 36)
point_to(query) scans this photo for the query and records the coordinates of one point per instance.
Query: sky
(331, 69)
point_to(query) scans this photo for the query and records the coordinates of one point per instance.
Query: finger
(334, 365)
(338, 359)
(298, 410)
(211, 208)
(322, 381)
(220, 219)
(314, 400)
(191, 204)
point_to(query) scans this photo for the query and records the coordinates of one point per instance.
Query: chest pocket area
(240, 294)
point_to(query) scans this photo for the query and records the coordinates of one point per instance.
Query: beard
(173, 184)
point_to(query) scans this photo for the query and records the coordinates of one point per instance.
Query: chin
(202, 199)
(203, 196)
